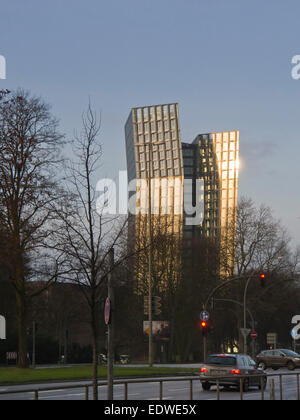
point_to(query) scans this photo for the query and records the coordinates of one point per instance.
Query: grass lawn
(12, 375)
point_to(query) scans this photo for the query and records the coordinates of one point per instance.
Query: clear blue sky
(227, 63)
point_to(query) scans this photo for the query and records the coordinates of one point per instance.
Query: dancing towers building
(162, 165)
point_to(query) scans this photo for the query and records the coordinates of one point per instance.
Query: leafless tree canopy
(29, 155)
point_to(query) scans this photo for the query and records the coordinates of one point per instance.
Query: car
(279, 358)
(229, 369)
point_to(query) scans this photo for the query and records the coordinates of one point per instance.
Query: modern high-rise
(157, 158)
(154, 159)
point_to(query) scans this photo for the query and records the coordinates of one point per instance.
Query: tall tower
(217, 164)
(162, 164)
(154, 160)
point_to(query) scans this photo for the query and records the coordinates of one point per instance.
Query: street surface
(178, 390)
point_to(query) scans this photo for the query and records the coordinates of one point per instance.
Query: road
(177, 390)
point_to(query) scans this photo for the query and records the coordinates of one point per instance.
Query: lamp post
(250, 314)
(245, 301)
(245, 314)
(149, 176)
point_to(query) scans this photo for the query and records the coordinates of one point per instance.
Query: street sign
(294, 334)
(2, 328)
(245, 332)
(204, 316)
(107, 310)
(254, 335)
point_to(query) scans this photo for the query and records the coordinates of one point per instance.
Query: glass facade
(154, 159)
(157, 158)
(217, 163)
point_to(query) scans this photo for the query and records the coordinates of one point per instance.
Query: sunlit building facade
(156, 156)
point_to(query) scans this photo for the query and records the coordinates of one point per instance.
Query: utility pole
(245, 315)
(149, 176)
(110, 330)
(150, 259)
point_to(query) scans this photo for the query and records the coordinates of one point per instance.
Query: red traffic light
(204, 328)
(263, 278)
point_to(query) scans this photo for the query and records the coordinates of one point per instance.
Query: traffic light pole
(245, 314)
(204, 347)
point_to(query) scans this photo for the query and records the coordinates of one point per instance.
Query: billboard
(160, 330)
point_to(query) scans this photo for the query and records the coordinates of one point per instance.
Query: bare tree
(261, 244)
(84, 234)
(29, 154)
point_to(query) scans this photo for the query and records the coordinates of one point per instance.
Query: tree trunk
(22, 337)
(95, 353)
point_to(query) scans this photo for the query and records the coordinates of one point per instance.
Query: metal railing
(161, 381)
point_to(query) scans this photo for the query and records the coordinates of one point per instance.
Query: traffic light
(263, 277)
(156, 309)
(155, 305)
(204, 328)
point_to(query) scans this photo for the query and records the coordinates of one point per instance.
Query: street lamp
(149, 176)
(245, 301)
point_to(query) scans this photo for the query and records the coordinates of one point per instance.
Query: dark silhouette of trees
(29, 155)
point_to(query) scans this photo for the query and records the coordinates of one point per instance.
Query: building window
(146, 115)
(165, 111)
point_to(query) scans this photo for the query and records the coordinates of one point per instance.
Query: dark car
(280, 358)
(228, 369)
